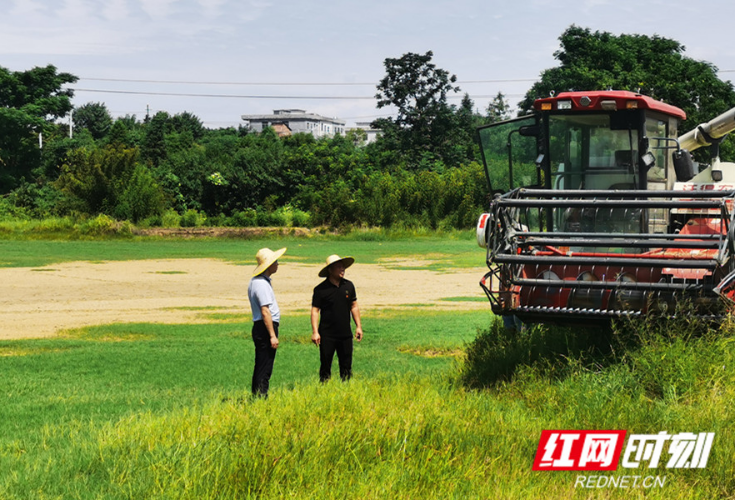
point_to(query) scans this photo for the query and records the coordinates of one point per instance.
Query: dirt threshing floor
(41, 302)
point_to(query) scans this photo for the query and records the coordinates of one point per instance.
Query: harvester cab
(599, 211)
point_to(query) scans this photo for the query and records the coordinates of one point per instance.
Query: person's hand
(358, 333)
(316, 338)
(274, 342)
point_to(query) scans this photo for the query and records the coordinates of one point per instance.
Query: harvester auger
(599, 211)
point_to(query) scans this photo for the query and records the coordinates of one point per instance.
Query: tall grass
(144, 411)
(381, 438)
(65, 228)
(644, 376)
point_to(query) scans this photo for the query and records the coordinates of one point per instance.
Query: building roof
(365, 126)
(280, 115)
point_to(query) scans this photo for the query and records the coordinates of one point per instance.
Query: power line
(234, 96)
(268, 84)
(230, 96)
(285, 84)
(305, 84)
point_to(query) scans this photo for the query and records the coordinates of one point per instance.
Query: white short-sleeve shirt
(260, 293)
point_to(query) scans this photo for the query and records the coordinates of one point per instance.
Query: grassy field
(161, 411)
(452, 250)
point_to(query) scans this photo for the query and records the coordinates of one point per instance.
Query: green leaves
(95, 117)
(654, 66)
(425, 123)
(29, 102)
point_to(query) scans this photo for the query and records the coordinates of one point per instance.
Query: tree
(154, 145)
(141, 198)
(498, 110)
(94, 117)
(188, 122)
(30, 101)
(95, 178)
(654, 66)
(418, 90)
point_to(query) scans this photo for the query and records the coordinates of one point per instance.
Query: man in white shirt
(266, 317)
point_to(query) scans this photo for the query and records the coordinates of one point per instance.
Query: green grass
(162, 411)
(444, 252)
(154, 411)
(465, 299)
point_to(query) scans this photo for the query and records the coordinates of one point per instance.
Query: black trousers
(265, 355)
(343, 348)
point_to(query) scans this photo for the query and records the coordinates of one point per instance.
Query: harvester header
(599, 211)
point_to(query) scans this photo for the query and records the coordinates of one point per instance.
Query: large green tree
(30, 102)
(94, 117)
(424, 122)
(654, 66)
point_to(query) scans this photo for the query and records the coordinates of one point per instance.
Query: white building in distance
(371, 134)
(293, 121)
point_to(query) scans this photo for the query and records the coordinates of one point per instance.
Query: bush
(171, 218)
(301, 218)
(193, 218)
(38, 200)
(246, 218)
(153, 221)
(9, 211)
(100, 225)
(104, 225)
(272, 219)
(142, 197)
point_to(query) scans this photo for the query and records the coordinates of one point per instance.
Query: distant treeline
(422, 171)
(154, 171)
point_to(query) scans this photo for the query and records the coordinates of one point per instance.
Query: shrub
(142, 197)
(272, 219)
(193, 218)
(154, 221)
(104, 225)
(301, 218)
(171, 218)
(9, 211)
(246, 218)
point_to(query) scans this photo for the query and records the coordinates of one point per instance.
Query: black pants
(343, 348)
(265, 355)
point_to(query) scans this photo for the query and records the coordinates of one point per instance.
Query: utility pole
(71, 124)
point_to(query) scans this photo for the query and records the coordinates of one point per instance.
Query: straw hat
(266, 257)
(331, 260)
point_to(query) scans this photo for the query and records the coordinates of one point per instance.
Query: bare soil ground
(41, 302)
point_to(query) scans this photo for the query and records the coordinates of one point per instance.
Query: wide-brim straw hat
(348, 261)
(266, 257)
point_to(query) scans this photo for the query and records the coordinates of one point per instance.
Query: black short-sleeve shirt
(335, 303)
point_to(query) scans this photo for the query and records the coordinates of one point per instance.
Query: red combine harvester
(599, 211)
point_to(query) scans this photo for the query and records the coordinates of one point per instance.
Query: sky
(220, 59)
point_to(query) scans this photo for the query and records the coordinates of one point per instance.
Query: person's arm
(315, 337)
(355, 310)
(268, 320)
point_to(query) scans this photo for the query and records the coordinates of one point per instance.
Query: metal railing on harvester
(602, 253)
